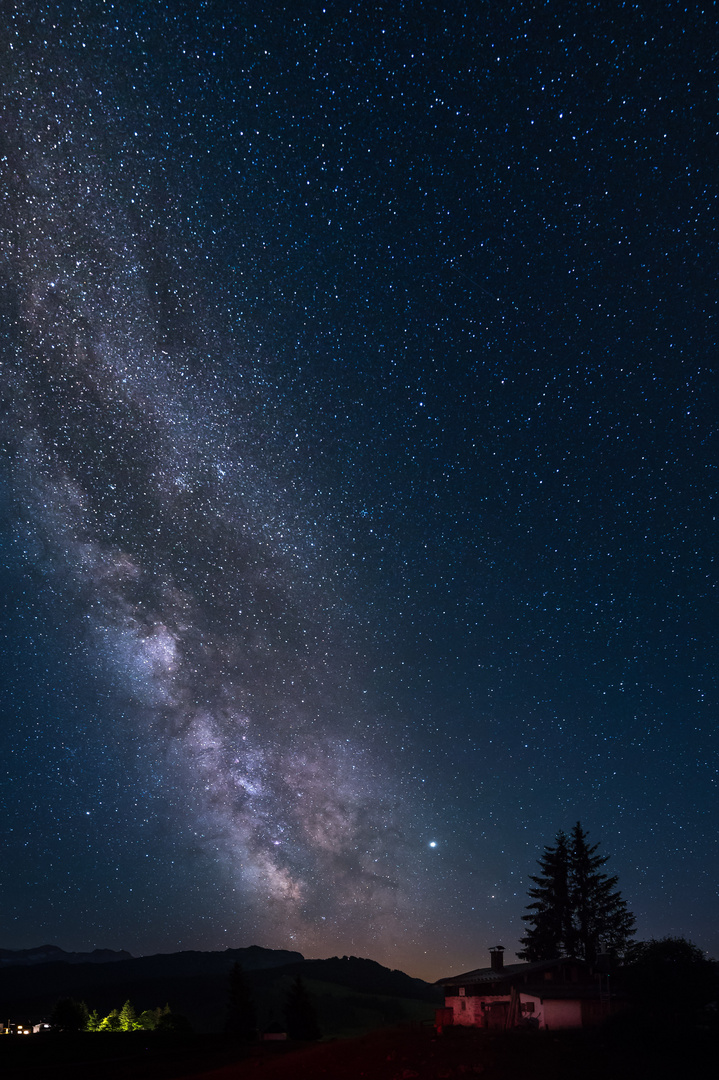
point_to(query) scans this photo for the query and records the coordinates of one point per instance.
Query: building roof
(490, 975)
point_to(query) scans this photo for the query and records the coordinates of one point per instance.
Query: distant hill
(37, 986)
(49, 954)
(364, 976)
(355, 992)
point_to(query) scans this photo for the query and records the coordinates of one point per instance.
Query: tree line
(299, 1017)
(71, 1015)
(299, 1014)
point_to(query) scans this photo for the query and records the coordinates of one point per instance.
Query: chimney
(497, 957)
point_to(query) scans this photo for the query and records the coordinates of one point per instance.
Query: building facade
(548, 994)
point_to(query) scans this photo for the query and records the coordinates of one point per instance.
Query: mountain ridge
(194, 982)
(48, 954)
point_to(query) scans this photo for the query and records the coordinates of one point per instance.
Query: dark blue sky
(359, 395)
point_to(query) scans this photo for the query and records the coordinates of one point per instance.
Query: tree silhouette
(671, 984)
(550, 913)
(576, 909)
(69, 1015)
(300, 1015)
(600, 915)
(241, 1015)
(170, 1023)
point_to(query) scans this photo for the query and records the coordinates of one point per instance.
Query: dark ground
(391, 1054)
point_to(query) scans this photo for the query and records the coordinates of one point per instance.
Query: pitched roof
(489, 975)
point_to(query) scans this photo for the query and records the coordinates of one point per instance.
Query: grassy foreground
(408, 1053)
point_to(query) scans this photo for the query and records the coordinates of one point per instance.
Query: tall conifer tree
(241, 1016)
(128, 1017)
(600, 915)
(576, 909)
(549, 915)
(300, 1014)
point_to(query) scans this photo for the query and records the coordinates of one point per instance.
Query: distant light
(433, 843)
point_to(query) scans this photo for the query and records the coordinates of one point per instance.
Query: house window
(464, 1006)
(461, 991)
(528, 1006)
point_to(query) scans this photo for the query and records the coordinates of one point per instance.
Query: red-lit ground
(390, 1054)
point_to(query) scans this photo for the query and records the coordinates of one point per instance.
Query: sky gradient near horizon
(359, 470)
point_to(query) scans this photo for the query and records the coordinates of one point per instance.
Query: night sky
(359, 392)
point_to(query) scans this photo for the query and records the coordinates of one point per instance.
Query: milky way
(145, 497)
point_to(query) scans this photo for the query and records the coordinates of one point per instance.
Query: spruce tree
(148, 1019)
(111, 1022)
(576, 909)
(600, 916)
(241, 1016)
(93, 1021)
(550, 914)
(300, 1015)
(128, 1018)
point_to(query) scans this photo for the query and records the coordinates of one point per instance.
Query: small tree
(147, 1020)
(241, 1015)
(93, 1021)
(128, 1018)
(671, 983)
(171, 1023)
(111, 1022)
(300, 1014)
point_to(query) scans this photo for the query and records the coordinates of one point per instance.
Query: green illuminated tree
(111, 1022)
(93, 1021)
(148, 1019)
(128, 1018)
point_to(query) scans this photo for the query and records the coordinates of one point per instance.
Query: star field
(359, 470)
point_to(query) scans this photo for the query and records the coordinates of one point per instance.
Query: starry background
(359, 474)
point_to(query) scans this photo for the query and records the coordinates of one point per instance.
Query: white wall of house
(552, 1014)
(562, 1014)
